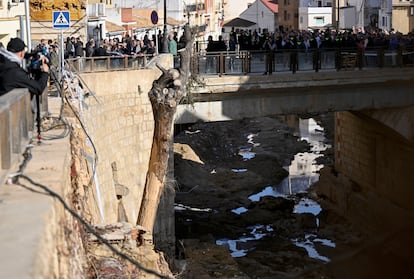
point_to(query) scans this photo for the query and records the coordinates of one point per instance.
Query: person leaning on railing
(12, 75)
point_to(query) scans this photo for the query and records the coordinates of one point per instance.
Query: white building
(174, 8)
(234, 8)
(96, 26)
(12, 14)
(366, 13)
(385, 15)
(315, 14)
(263, 13)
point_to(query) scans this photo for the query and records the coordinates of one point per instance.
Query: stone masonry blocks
(123, 128)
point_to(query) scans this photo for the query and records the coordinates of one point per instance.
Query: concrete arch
(400, 120)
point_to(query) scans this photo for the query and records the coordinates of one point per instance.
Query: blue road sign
(61, 19)
(154, 17)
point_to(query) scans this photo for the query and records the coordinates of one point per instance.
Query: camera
(36, 58)
(35, 61)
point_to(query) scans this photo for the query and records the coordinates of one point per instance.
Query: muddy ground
(206, 155)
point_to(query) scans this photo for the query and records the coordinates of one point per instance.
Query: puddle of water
(182, 207)
(325, 242)
(268, 191)
(303, 169)
(239, 210)
(303, 172)
(257, 232)
(246, 152)
(308, 245)
(250, 138)
(307, 205)
(293, 184)
(238, 170)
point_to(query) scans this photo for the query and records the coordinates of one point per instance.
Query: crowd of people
(237, 40)
(268, 42)
(12, 75)
(127, 45)
(311, 39)
(45, 56)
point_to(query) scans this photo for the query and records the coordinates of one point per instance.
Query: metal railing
(16, 129)
(109, 63)
(259, 62)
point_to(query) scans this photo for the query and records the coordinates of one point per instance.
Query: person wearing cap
(12, 75)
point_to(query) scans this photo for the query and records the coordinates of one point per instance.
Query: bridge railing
(259, 62)
(109, 63)
(16, 129)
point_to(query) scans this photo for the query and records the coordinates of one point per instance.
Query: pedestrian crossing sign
(61, 19)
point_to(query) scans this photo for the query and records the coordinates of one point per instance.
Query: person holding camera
(12, 75)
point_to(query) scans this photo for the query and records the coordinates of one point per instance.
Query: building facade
(366, 13)
(385, 15)
(264, 13)
(288, 15)
(207, 15)
(234, 8)
(12, 20)
(403, 16)
(315, 14)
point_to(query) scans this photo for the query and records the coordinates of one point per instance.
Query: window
(319, 20)
(411, 10)
(301, 20)
(285, 15)
(191, 8)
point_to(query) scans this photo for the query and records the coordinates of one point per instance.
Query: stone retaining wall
(374, 184)
(120, 122)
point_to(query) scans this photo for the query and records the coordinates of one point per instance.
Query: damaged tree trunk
(165, 94)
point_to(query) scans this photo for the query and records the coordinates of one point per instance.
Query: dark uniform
(12, 75)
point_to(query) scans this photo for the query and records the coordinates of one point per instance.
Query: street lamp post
(164, 37)
(28, 28)
(337, 16)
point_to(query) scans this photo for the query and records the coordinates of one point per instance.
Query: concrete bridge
(373, 150)
(235, 97)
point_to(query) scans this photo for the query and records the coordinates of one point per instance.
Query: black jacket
(13, 76)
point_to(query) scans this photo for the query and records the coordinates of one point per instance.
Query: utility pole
(28, 29)
(337, 16)
(164, 48)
